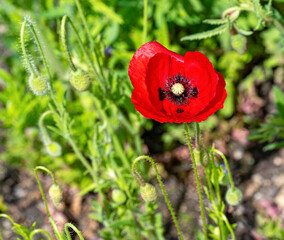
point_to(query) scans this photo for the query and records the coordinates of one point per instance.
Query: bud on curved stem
(54, 226)
(143, 184)
(29, 62)
(66, 19)
(52, 148)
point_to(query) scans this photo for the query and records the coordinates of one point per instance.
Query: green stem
(30, 65)
(81, 157)
(197, 180)
(64, 44)
(70, 225)
(46, 138)
(229, 227)
(67, 19)
(116, 144)
(145, 21)
(54, 226)
(162, 188)
(85, 23)
(92, 44)
(197, 135)
(227, 166)
(40, 50)
(40, 187)
(40, 231)
(15, 225)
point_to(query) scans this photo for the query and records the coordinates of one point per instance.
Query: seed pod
(80, 80)
(38, 85)
(200, 157)
(239, 43)
(56, 194)
(118, 196)
(234, 197)
(148, 192)
(53, 149)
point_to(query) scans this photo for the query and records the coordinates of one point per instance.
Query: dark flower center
(178, 89)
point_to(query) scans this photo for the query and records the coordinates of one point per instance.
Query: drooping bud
(38, 85)
(200, 157)
(56, 194)
(118, 196)
(234, 197)
(80, 80)
(239, 43)
(148, 192)
(53, 149)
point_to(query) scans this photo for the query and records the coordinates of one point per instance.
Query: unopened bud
(148, 192)
(118, 196)
(56, 194)
(80, 80)
(53, 149)
(38, 85)
(239, 43)
(201, 157)
(234, 197)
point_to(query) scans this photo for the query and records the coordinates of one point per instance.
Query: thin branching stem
(26, 57)
(162, 188)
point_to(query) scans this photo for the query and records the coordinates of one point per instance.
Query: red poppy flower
(171, 88)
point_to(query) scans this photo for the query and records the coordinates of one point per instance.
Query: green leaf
(273, 146)
(207, 34)
(279, 100)
(215, 21)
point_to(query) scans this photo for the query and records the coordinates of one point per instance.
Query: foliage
(274, 129)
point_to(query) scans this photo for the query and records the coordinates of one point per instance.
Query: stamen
(179, 90)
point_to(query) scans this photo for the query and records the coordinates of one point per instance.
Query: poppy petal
(198, 67)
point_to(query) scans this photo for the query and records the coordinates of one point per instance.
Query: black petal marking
(161, 94)
(180, 110)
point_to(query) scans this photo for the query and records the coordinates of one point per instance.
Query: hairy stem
(197, 181)
(29, 63)
(54, 226)
(162, 188)
(64, 44)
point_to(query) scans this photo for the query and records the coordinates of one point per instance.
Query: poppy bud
(234, 197)
(239, 43)
(56, 194)
(38, 85)
(80, 80)
(200, 157)
(118, 196)
(53, 149)
(148, 192)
